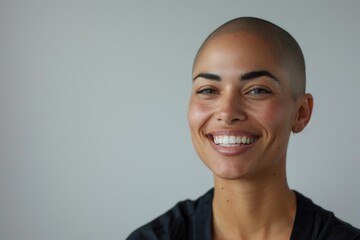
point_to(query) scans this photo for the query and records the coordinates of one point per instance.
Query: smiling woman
(251, 98)
(248, 95)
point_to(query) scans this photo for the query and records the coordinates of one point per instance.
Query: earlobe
(304, 111)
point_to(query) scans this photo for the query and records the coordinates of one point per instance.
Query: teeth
(233, 140)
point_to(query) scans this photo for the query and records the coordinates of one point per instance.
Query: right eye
(206, 91)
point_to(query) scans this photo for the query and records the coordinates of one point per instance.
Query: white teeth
(233, 140)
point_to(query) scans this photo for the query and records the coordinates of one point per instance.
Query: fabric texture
(191, 220)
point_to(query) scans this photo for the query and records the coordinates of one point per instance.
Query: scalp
(287, 50)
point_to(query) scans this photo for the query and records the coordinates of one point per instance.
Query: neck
(257, 208)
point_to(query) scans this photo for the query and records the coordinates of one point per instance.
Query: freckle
(274, 174)
(222, 188)
(227, 201)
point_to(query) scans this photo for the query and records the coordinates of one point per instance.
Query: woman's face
(241, 110)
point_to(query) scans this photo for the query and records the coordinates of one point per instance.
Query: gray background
(93, 96)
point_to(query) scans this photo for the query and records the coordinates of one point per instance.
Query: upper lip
(228, 132)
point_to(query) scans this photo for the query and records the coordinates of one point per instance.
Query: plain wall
(94, 139)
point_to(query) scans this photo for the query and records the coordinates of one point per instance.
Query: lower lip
(233, 150)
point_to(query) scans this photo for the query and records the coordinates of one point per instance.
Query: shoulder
(325, 225)
(177, 222)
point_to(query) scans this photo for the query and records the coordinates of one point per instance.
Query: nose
(231, 110)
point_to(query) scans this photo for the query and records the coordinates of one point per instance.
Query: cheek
(198, 113)
(274, 117)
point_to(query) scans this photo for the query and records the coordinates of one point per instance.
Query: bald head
(286, 50)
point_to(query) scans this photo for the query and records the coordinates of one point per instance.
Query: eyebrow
(243, 77)
(208, 76)
(257, 74)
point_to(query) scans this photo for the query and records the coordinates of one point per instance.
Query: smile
(233, 141)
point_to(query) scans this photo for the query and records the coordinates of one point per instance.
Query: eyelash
(207, 91)
(259, 90)
(254, 91)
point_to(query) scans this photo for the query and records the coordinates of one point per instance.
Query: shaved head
(286, 50)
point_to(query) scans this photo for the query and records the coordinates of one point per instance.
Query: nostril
(229, 120)
(231, 117)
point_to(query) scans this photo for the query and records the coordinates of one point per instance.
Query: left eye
(257, 91)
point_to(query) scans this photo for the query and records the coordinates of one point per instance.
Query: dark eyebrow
(257, 74)
(244, 77)
(208, 76)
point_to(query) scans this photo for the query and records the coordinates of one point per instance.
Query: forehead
(242, 50)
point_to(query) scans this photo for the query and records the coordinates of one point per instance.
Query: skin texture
(241, 87)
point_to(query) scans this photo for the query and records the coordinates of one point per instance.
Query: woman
(248, 95)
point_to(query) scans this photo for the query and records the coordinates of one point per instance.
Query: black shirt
(192, 220)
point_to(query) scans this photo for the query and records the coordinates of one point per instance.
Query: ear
(303, 114)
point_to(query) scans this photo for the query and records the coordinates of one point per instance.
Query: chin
(229, 176)
(229, 172)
